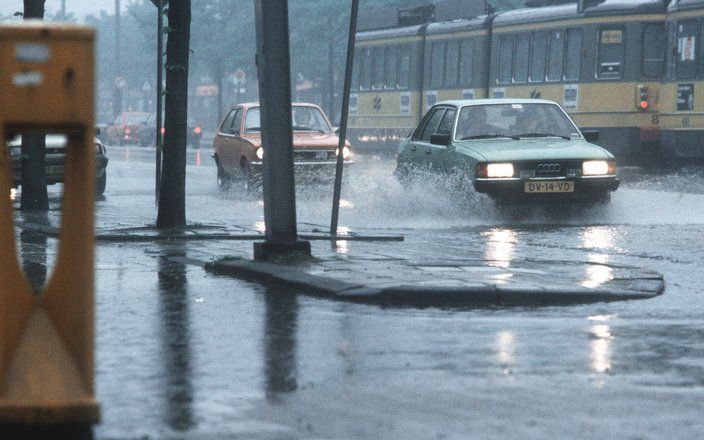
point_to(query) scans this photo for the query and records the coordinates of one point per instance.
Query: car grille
(313, 155)
(548, 168)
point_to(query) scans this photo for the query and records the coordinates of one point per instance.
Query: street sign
(146, 87)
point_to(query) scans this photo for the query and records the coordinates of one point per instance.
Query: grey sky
(78, 7)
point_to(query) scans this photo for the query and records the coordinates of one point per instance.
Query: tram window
(452, 61)
(686, 49)
(466, 63)
(379, 67)
(654, 39)
(366, 69)
(611, 49)
(556, 50)
(520, 62)
(355, 71)
(505, 58)
(437, 64)
(404, 68)
(537, 56)
(391, 67)
(573, 56)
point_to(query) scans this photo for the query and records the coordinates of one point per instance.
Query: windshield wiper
(304, 128)
(489, 136)
(544, 135)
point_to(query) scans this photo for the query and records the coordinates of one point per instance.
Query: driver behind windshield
(473, 122)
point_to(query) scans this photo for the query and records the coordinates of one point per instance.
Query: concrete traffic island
(450, 283)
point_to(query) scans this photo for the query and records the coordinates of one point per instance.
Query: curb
(478, 295)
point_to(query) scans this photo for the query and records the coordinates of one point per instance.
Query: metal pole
(343, 118)
(63, 9)
(274, 70)
(159, 80)
(117, 97)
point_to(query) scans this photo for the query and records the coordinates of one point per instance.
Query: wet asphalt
(181, 353)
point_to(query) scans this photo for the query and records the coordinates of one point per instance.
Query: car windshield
(513, 120)
(305, 118)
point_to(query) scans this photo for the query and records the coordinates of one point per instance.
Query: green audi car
(510, 149)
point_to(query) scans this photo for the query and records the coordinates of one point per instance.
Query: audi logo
(549, 168)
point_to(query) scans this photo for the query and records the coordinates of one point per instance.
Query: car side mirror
(440, 139)
(336, 130)
(591, 135)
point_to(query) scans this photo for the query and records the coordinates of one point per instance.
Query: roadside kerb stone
(434, 288)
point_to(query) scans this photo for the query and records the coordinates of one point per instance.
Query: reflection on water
(260, 226)
(500, 246)
(504, 346)
(13, 194)
(280, 342)
(598, 237)
(33, 250)
(176, 341)
(600, 348)
(341, 246)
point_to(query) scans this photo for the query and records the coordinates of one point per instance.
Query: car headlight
(598, 168)
(499, 170)
(346, 152)
(15, 151)
(260, 153)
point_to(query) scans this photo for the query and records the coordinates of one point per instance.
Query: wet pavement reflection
(280, 327)
(175, 339)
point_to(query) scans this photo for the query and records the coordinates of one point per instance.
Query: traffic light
(642, 97)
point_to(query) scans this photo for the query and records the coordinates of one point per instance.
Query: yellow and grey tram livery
(602, 62)
(681, 118)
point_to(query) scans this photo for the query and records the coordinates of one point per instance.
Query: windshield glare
(304, 119)
(511, 120)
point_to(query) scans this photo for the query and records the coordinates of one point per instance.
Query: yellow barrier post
(46, 340)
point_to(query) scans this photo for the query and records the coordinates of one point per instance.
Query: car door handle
(413, 148)
(428, 151)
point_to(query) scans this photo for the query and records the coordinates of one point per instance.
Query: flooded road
(185, 354)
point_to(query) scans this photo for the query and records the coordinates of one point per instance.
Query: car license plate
(54, 169)
(548, 187)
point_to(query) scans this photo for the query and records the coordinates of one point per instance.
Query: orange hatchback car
(239, 151)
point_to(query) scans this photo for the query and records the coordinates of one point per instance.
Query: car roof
(256, 104)
(466, 102)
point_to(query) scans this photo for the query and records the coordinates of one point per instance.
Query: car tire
(224, 179)
(404, 177)
(101, 184)
(248, 184)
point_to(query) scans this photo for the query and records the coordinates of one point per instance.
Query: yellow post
(46, 340)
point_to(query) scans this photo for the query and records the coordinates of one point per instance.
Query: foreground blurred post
(273, 68)
(46, 340)
(343, 117)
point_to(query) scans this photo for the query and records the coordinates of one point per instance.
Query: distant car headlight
(15, 151)
(346, 152)
(595, 168)
(499, 170)
(260, 153)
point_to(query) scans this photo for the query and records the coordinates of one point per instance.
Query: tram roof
(461, 25)
(568, 11)
(683, 5)
(405, 31)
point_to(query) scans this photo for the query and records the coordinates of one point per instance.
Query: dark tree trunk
(172, 199)
(34, 194)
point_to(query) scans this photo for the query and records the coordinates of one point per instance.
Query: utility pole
(159, 87)
(343, 117)
(274, 71)
(117, 91)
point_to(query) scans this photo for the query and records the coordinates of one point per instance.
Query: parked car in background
(510, 149)
(125, 128)
(147, 133)
(238, 149)
(55, 161)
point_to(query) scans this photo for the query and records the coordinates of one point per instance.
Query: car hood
(504, 150)
(305, 140)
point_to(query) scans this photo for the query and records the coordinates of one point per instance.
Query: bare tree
(172, 200)
(34, 194)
